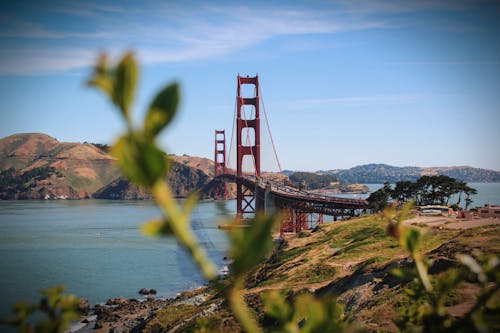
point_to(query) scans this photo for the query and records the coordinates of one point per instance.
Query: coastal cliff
(37, 166)
(182, 179)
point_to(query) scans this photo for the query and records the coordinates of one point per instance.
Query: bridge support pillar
(269, 207)
(297, 220)
(220, 191)
(247, 145)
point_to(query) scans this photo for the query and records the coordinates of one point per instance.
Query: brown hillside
(204, 164)
(37, 166)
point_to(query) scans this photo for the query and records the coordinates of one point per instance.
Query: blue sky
(344, 83)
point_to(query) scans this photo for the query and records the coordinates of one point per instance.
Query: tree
(468, 192)
(432, 190)
(378, 199)
(403, 191)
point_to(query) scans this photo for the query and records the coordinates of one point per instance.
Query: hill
(380, 173)
(37, 166)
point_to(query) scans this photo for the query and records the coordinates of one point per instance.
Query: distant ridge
(380, 173)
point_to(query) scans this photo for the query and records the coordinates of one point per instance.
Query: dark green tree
(379, 199)
(468, 192)
(404, 191)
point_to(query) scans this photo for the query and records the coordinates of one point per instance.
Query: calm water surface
(95, 249)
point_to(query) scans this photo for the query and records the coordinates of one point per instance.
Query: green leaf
(411, 239)
(190, 203)
(398, 272)
(276, 306)
(404, 213)
(473, 266)
(140, 161)
(125, 82)
(156, 227)
(53, 294)
(162, 110)
(251, 245)
(102, 76)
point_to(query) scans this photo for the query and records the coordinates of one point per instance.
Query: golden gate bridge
(256, 191)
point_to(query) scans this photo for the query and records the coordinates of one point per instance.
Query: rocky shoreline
(121, 315)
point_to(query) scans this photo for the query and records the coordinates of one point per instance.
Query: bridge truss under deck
(301, 210)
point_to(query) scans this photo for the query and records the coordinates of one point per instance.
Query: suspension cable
(269, 129)
(232, 131)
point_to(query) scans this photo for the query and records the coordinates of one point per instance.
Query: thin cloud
(194, 37)
(171, 33)
(40, 61)
(14, 27)
(328, 102)
(448, 62)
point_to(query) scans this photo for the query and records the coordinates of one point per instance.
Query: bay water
(95, 248)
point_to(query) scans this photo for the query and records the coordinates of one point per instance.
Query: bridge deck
(287, 196)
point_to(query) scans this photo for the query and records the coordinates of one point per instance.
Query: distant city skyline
(344, 83)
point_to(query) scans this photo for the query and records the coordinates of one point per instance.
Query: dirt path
(453, 223)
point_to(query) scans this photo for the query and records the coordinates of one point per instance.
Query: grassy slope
(348, 260)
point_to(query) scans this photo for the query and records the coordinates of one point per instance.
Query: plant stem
(422, 274)
(179, 222)
(240, 308)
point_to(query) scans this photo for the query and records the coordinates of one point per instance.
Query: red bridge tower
(220, 163)
(247, 144)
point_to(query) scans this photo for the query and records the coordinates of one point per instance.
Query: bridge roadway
(272, 193)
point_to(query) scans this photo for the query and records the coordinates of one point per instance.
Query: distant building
(489, 211)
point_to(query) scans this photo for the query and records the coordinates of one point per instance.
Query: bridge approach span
(271, 195)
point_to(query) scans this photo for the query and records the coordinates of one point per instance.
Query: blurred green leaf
(190, 203)
(404, 273)
(473, 266)
(276, 306)
(162, 110)
(102, 75)
(156, 227)
(404, 213)
(125, 82)
(52, 294)
(140, 161)
(251, 245)
(411, 239)
(59, 310)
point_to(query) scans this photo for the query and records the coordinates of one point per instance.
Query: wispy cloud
(354, 101)
(164, 34)
(449, 62)
(40, 60)
(19, 28)
(172, 32)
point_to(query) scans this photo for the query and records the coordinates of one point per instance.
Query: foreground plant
(427, 311)
(144, 163)
(57, 310)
